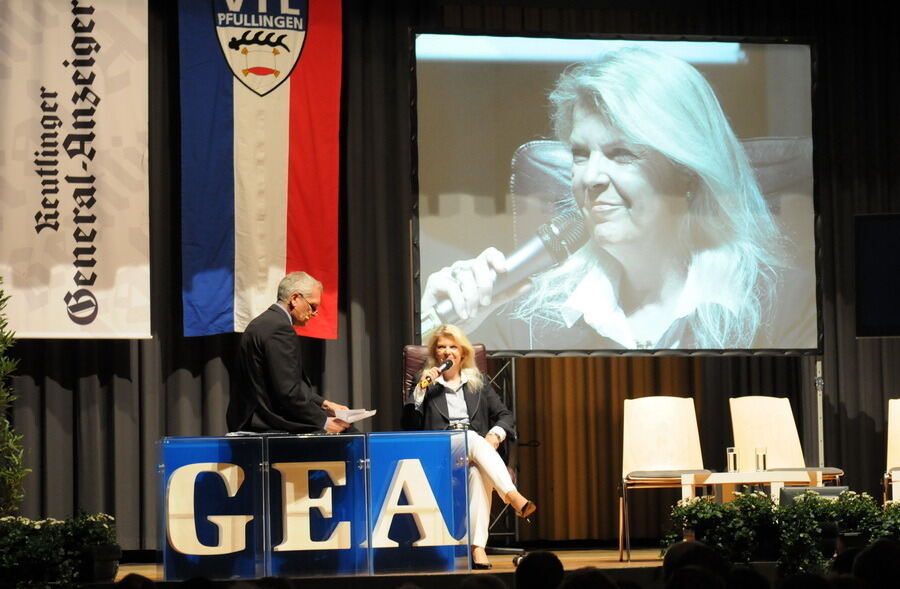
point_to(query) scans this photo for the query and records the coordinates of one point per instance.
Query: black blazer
(485, 409)
(272, 393)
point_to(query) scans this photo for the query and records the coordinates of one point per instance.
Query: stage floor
(571, 559)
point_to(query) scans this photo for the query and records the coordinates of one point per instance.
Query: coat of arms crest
(261, 46)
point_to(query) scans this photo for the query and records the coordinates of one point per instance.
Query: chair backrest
(765, 422)
(414, 357)
(660, 434)
(893, 435)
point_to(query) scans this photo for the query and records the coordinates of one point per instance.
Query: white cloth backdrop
(74, 207)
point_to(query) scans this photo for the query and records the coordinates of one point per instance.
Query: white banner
(74, 204)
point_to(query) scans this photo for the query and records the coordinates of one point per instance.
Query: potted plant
(857, 516)
(12, 473)
(32, 553)
(811, 526)
(91, 542)
(62, 553)
(890, 522)
(703, 519)
(754, 531)
(743, 530)
(800, 522)
(38, 553)
(803, 534)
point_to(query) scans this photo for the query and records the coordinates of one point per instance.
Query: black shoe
(527, 510)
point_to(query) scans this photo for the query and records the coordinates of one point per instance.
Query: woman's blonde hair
(469, 368)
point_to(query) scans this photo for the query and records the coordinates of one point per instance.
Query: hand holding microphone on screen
(463, 293)
(467, 291)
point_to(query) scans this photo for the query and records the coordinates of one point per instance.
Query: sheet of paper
(354, 415)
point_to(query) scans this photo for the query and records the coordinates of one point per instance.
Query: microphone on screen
(556, 240)
(445, 365)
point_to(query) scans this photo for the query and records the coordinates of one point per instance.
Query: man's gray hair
(297, 282)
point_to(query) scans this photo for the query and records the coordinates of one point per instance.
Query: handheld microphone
(556, 240)
(445, 365)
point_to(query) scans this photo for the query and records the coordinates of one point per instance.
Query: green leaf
(12, 471)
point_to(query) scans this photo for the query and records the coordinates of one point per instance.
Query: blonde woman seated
(461, 398)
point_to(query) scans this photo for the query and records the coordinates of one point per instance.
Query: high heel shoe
(480, 565)
(527, 510)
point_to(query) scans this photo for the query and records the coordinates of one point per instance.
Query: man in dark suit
(273, 392)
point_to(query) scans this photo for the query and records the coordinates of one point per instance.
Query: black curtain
(92, 411)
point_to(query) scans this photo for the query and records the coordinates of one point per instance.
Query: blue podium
(252, 506)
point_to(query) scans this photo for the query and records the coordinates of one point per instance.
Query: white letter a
(409, 478)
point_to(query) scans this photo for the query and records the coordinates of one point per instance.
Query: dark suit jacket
(273, 394)
(485, 409)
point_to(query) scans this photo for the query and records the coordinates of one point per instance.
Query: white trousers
(487, 473)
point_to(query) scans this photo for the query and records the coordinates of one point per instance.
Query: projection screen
(614, 195)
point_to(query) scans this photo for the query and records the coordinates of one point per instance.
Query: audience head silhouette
(692, 577)
(804, 581)
(692, 553)
(587, 578)
(539, 570)
(878, 564)
(483, 581)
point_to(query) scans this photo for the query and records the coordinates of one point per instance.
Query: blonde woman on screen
(683, 247)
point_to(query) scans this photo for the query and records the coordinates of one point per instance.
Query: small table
(776, 479)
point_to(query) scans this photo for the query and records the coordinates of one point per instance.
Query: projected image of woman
(682, 251)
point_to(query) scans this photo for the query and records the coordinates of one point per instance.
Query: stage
(644, 570)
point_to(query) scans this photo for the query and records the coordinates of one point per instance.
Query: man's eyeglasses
(313, 309)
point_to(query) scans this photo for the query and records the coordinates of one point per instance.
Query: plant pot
(766, 568)
(768, 544)
(828, 539)
(850, 540)
(99, 563)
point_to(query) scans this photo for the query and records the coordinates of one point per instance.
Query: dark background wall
(92, 411)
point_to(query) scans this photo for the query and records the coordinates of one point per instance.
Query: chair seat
(638, 475)
(826, 470)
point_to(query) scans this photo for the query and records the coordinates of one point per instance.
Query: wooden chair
(768, 422)
(892, 468)
(660, 443)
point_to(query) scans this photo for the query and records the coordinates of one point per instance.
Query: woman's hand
(430, 375)
(493, 440)
(469, 285)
